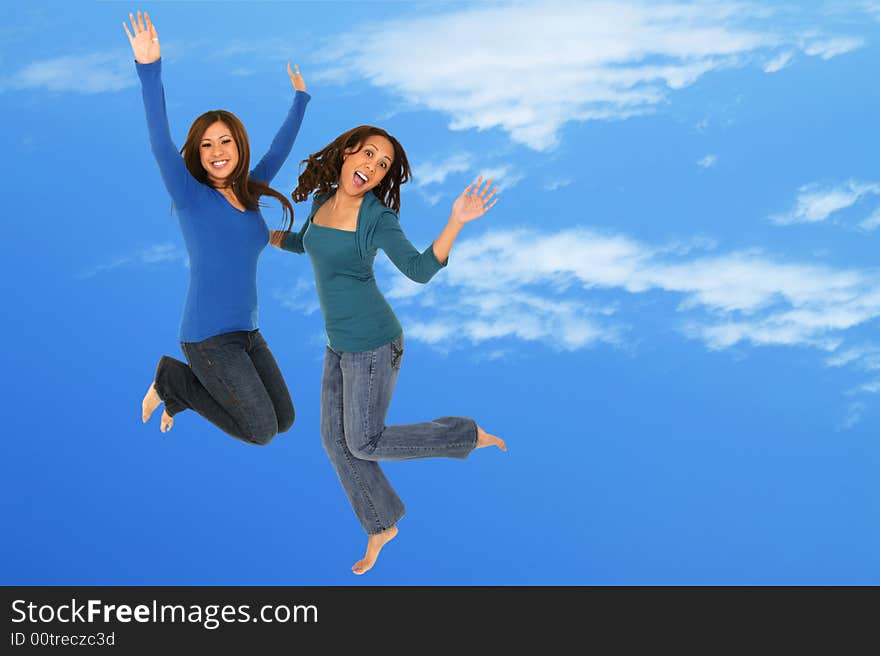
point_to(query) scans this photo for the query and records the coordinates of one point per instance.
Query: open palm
(145, 42)
(474, 201)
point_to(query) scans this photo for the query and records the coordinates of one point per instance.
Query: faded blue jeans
(233, 381)
(356, 391)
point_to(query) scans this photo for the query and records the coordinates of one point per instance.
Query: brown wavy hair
(246, 189)
(324, 167)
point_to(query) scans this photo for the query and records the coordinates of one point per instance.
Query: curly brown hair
(323, 168)
(245, 188)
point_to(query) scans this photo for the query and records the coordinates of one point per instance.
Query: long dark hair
(246, 189)
(324, 167)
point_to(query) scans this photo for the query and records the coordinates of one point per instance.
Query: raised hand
(296, 79)
(145, 42)
(473, 203)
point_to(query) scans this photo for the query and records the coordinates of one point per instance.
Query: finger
(140, 21)
(289, 72)
(134, 24)
(125, 25)
(295, 69)
(489, 197)
(152, 28)
(486, 188)
(491, 205)
(467, 190)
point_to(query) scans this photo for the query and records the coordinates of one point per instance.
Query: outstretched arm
(421, 267)
(472, 204)
(282, 144)
(145, 46)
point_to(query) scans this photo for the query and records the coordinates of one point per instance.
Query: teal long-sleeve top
(223, 242)
(356, 315)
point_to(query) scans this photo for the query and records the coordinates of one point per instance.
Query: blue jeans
(233, 381)
(356, 391)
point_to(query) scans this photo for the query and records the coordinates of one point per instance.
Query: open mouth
(359, 179)
(219, 164)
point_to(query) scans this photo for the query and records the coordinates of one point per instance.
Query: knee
(286, 419)
(259, 439)
(261, 435)
(362, 450)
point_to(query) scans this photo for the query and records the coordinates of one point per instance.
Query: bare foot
(167, 422)
(485, 439)
(374, 546)
(150, 403)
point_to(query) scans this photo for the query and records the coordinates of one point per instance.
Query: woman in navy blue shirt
(230, 376)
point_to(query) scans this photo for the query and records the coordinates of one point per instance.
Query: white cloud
(86, 74)
(553, 185)
(427, 173)
(853, 415)
(552, 291)
(504, 176)
(779, 62)
(708, 161)
(155, 254)
(816, 203)
(302, 297)
(535, 66)
(828, 48)
(872, 222)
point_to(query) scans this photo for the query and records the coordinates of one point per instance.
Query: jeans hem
(172, 405)
(376, 531)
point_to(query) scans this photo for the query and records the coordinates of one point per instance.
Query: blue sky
(670, 315)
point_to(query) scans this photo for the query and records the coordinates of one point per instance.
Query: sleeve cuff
(433, 258)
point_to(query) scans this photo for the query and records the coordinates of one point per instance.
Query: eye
(206, 145)
(226, 141)
(383, 165)
(369, 153)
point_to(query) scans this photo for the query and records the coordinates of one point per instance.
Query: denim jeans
(356, 391)
(233, 381)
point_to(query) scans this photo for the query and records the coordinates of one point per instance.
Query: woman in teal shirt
(356, 180)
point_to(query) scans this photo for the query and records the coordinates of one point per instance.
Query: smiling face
(218, 152)
(363, 169)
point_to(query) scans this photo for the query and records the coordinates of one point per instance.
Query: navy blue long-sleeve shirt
(223, 242)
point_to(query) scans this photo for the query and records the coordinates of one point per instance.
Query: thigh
(369, 379)
(225, 369)
(331, 401)
(269, 372)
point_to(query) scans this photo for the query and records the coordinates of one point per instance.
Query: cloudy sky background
(670, 315)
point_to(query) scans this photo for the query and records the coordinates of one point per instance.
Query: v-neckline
(244, 211)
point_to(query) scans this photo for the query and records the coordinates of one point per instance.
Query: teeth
(362, 176)
(222, 162)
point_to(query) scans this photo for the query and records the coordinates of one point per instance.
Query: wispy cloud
(828, 48)
(155, 254)
(301, 297)
(818, 202)
(854, 413)
(779, 62)
(553, 185)
(872, 222)
(86, 74)
(588, 60)
(556, 291)
(428, 173)
(708, 161)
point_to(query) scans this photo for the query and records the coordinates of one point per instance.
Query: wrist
(455, 222)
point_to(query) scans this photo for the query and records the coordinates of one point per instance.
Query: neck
(344, 201)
